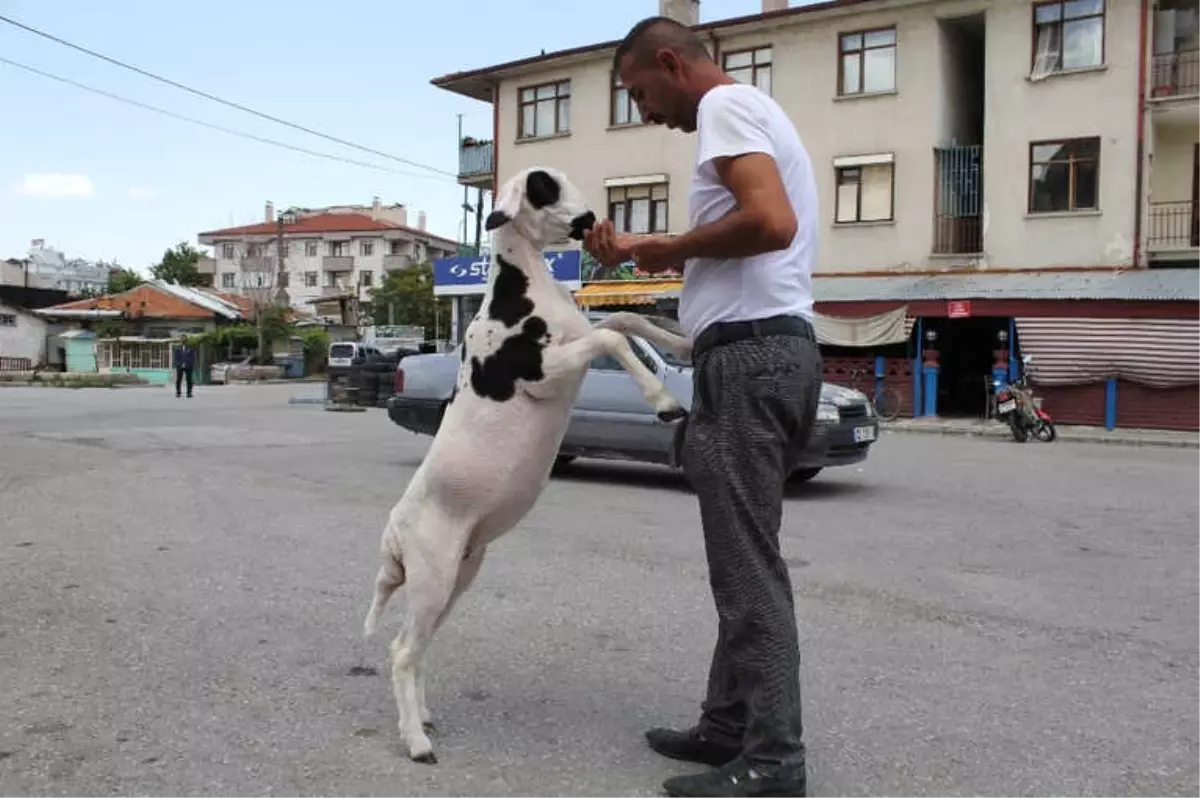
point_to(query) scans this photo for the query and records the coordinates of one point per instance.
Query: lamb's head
(541, 205)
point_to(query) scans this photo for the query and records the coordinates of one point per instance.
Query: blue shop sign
(468, 275)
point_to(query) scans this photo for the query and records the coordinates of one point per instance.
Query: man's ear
(506, 205)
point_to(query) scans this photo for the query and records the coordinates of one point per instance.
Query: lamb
(523, 361)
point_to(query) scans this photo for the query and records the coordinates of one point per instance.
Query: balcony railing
(1175, 74)
(476, 158)
(1173, 226)
(337, 263)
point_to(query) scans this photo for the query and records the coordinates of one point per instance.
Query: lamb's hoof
(429, 727)
(429, 758)
(671, 414)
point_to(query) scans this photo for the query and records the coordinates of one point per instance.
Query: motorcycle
(1017, 407)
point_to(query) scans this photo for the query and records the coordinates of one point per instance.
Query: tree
(121, 279)
(265, 286)
(409, 291)
(179, 265)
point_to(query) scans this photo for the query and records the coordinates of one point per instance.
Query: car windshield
(671, 326)
(341, 350)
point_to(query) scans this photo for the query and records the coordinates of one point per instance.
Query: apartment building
(977, 162)
(329, 255)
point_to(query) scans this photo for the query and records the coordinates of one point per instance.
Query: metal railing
(476, 159)
(958, 210)
(1173, 225)
(1175, 74)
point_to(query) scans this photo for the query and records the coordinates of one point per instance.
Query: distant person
(184, 358)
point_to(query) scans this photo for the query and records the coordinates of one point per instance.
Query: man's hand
(608, 246)
(656, 254)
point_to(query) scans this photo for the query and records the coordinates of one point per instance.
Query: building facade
(950, 138)
(329, 255)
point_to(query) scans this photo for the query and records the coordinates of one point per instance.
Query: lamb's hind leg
(466, 575)
(573, 358)
(430, 584)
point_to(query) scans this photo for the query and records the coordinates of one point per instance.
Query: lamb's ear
(506, 205)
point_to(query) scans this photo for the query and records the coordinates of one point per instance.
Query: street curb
(1064, 436)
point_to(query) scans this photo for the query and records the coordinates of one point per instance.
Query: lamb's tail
(389, 578)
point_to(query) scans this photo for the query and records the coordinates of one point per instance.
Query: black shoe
(739, 778)
(692, 746)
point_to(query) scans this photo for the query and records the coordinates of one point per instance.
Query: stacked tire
(378, 382)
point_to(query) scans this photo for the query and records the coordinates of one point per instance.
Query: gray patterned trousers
(754, 402)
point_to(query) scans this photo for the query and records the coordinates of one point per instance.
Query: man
(184, 357)
(747, 306)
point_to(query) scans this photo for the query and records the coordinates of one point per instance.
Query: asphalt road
(182, 587)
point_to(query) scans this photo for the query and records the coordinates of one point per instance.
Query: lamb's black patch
(518, 358)
(541, 189)
(509, 303)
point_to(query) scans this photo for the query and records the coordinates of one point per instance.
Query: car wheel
(802, 475)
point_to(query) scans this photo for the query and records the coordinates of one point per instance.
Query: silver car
(612, 420)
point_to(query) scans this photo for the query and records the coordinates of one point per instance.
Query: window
(228, 251)
(254, 250)
(395, 247)
(638, 209)
(366, 278)
(1064, 175)
(284, 248)
(750, 66)
(227, 280)
(867, 62)
(337, 249)
(310, 279)
(311, 248)
(865, 186)
(624, 110)
(544, 110)
(8, 320)
(1067, 34)
(366, 247)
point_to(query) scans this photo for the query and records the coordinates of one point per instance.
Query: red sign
(959, 309)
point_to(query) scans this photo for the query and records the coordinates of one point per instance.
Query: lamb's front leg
(634, 324)
(573, 359)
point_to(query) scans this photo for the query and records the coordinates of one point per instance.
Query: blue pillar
(931, 386)
(999, 374)
(880, 371)
(1012, 350)
(916, 397)
(1110, 404)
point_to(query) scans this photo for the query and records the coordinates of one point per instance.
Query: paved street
(182, 587)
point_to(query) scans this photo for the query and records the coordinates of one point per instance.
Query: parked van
(344, 354)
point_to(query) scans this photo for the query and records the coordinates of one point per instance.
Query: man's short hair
(653, 34)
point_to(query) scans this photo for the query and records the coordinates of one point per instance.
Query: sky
(100, 179)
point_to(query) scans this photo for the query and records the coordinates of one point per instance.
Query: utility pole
(465, 204)
(281, 275)
(478, 219)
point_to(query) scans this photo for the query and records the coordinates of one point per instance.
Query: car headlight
(870, 409)
(828, 412)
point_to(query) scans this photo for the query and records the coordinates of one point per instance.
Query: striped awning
(1159, 353)
(625, 292)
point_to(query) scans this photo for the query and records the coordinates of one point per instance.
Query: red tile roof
(158, 304)
(326, 223)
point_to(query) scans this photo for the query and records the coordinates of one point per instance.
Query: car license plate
(1007, 407)
(864, 434)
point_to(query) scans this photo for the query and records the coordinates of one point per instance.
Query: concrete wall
(22, 334)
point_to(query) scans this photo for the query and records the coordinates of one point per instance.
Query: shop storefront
(464, 281)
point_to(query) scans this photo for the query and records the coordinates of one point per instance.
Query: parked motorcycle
(1017, 407)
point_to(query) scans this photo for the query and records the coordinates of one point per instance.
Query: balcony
(393, 262)
(337, 263)
(476, 162)
(1175, 75)
(1173, 228)
(336, 291)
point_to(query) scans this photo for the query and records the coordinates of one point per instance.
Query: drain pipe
(1139, 199)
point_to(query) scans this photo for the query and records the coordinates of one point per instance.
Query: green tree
(121, 279)
(178, 265)
(409, 292)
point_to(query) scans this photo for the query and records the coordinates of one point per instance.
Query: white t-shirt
(734, 120)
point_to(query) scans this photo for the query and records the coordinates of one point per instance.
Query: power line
(214, 98)
(210, 125)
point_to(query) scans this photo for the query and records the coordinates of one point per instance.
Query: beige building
(330, 255)
(946, 134)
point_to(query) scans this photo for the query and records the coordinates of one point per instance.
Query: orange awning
(626, 292)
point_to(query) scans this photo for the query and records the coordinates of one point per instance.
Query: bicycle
(886, 399)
